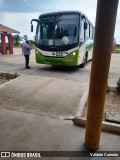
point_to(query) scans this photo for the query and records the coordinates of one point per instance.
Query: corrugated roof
(7, 29)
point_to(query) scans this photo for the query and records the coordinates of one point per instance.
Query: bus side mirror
(85, 25)
(31, 27)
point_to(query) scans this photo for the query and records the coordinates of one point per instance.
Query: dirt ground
(2, 81)
(112, 103)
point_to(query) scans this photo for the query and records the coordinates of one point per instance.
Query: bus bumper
(69, 60)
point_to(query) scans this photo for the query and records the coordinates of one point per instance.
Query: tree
(25, 37)
(114, 41)
(16, 39)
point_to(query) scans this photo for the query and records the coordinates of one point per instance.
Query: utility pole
(104, 32)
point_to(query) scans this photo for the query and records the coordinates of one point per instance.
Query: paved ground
(28, 132)
(57, 91)
(38, 91)
(43, 90)
(56, 98)
(15, 63)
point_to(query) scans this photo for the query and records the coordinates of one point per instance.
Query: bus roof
(66, 12)
(61, 12)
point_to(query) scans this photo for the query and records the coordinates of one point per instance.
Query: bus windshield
(58, 30)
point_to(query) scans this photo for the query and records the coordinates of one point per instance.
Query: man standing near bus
(26, 52)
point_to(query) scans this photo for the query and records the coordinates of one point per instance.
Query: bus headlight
(37, 52)
(73, 53)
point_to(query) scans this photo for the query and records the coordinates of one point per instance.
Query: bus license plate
(59, 54)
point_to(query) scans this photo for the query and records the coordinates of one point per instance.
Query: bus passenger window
(82, 31)
(91, 32)
(87, 31)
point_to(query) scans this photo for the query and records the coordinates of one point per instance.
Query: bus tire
(84, 61)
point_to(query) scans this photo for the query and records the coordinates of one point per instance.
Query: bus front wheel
(84, 62)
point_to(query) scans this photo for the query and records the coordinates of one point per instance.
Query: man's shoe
(28, 67)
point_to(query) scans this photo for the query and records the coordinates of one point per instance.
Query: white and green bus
(63, 38)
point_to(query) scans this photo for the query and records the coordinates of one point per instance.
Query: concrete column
(10, 43)
(104, 32)
(3, 43)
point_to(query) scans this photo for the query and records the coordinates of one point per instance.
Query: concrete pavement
(15, 63)
(56, 98)
(45, 100)
(29, 132)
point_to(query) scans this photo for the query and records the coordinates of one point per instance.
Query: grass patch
(117, 50)
(8, 76)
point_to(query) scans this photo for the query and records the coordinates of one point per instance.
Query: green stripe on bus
(69, 60)
(89, 47)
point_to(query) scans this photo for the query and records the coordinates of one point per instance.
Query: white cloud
(19, 22)
(25, 1)
(1, 3)
(87, 7)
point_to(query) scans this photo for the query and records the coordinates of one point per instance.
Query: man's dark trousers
(27, 60)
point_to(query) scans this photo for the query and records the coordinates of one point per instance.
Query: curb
(80, 121)
(106, 126)
(11, 80)
(82, 103)
(112, 88)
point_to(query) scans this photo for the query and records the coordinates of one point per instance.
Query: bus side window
(82, 31)
(87, 31)
(91, 32)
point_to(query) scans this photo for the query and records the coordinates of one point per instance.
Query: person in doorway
(26, 52)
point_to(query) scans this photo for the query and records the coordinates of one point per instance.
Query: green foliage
(7, 47)
(118, 45)
(118, 86)
(114, 41)
(8, 76)
(25, 37)
(117, 49)
(16, 40)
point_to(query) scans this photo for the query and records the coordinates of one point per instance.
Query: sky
(17, 14)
